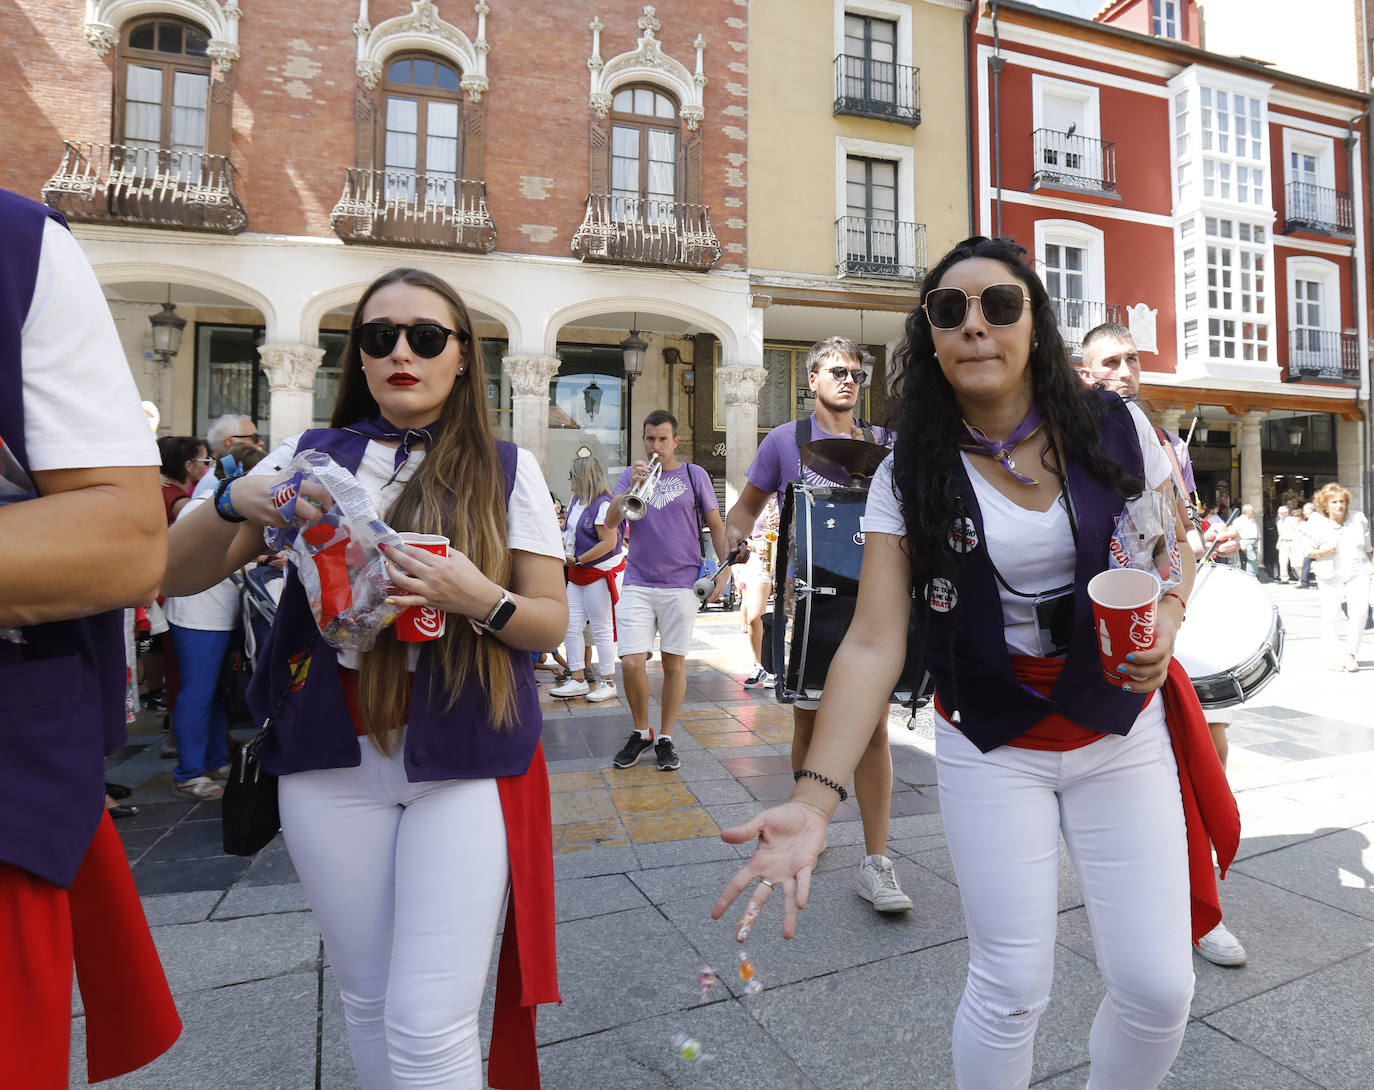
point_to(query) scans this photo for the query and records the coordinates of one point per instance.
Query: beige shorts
(669, 611)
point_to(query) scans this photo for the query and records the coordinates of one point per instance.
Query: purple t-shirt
(776, 464)
(665, 545)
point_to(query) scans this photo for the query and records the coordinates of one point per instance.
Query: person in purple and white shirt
(665, 559)
(835, 371)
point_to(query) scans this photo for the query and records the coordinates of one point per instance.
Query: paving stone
(245, 900)
(674, 853)
(663, 884)
(721, 791)
(1349, 795)
(188, 840)
(595, 861)
(577, 898)
(197, 956)
(187, 875)
(180, 907)
(336, 1062)
(1336, 869)
(259, 1034)
(937, 860)
(1317, 1025)
(270, 867)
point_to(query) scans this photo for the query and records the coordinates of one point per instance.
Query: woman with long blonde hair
(1340, 551)
(596, 566)
(412, 788)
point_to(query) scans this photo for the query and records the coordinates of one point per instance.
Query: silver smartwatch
(500, 614)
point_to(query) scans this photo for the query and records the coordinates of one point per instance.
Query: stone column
(1251, 470)
(290, 371)
(1168, 419)
(741, 384)
(529, 386)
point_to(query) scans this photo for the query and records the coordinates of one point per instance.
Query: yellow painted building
(858, 173)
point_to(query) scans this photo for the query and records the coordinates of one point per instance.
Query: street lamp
(167, 329)
(632, 349)
(591, 399)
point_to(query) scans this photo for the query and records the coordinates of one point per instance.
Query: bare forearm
(205, 549)
(80, 552)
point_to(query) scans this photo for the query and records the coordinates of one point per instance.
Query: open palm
(790, 838)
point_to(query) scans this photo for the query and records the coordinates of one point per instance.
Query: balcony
(153, 187)
(881, 248)
(1323, 355)
(401, 208)
(646, 231)
(867, 88)
(1068, 161)
(1318, 209)
(1077, 316)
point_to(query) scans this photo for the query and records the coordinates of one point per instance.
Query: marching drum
(1232, 642)
(821, 552)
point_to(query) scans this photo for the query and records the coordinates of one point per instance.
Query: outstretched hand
(790, 839)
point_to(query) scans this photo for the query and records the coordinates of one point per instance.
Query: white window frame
(1306, 143)
(1159, 19)
(1092, 241)
(1328, 275)
(1087, 93)
(905, 158)
(890, 10)
(1264, 314)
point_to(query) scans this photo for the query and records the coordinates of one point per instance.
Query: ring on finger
(766, 882)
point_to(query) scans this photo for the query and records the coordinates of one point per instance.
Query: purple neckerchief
(1002, 452)
(382, 428)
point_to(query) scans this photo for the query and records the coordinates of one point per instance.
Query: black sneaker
(668, 760)
(758, 678)
(632, 750)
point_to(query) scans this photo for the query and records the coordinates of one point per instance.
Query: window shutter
(600, 141)
(473, 163)
(364, 130)
(689, 180)
(219, 124)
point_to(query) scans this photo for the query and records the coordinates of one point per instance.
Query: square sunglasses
(1001, 305)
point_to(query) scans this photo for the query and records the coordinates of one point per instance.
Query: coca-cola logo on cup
(429, 622)
(1142, 629)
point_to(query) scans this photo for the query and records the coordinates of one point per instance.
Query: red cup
(419, 624)
(1124, 601)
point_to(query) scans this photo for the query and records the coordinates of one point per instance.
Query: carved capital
(232, 10)
(362, 28)
(101, 37)
(530, 375)
(475, 86)
(369, 72)
(290, 367)
(742, 383)
(482, 7)
(648, 22)
(693, 115)
(601, 103)
(223, 53)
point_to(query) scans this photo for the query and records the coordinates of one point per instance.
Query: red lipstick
(401, 378)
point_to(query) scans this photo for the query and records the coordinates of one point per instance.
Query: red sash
(585, 576)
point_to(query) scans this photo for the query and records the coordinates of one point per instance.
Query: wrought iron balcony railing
(1077, 316)
(886, 249)
(402, 208)
(1323, 355)
(868, 88)
(155, 187)
(1073, 161)
(646, 231)
(1316, 208)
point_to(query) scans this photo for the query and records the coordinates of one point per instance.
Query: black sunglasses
(1001, 305)
(426, 339)
(256, 437)
(839, 374)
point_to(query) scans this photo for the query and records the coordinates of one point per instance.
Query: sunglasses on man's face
(255, 438)
(426, 339)
(840, 374)
(1001, 305)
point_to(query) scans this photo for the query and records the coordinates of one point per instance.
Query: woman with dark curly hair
(993, 512)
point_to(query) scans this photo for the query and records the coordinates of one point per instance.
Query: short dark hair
(1115, 330)
(661, 416)
(176, 451)
(834, 346)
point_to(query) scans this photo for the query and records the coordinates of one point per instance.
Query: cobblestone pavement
(856, 1000)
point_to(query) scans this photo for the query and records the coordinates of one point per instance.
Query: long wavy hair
(459, 491)
(588, 478)
(926, 463)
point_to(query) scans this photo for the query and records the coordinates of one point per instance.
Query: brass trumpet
(635, 502)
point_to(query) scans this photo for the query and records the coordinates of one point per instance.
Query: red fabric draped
(586, 576)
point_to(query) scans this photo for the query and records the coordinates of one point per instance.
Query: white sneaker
(571, 687)
(878, 885)
(603, 691)
(1220, 947)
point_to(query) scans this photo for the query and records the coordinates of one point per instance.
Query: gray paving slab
(181, 907)
(245, 900)
(664, 884)
(715, 792)
(593, 861)
(673, 853)
(336, 1062)
(1336, 869)
(259, 1034)
(1286, 935)
(937, 859)
(1270, 816)
(576, 898)
(197, 956)
(1317, 1025)
(641, 1055)
(1351, 796)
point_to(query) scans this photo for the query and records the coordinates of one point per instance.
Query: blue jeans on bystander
(199, 719)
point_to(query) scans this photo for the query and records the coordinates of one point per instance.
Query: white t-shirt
(81, 407)
(1032, 550)
(530, 522)
(213, 610)
(611, 559)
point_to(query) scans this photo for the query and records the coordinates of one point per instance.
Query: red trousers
(98, 925)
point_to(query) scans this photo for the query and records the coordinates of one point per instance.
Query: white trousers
(1118, 806)
(1342, 634)
(407, 882)
(591, 605)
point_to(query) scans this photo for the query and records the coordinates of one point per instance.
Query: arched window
(164, 84)
(644, 151)
(421, 129)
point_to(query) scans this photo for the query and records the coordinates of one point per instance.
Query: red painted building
(1214, 206)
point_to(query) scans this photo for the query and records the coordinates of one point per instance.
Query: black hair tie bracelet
(826, 780)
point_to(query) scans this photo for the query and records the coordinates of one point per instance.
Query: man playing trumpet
(665, 557)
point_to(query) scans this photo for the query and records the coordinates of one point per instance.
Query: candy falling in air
(688, 1048)
(706, 977)
(752, 986)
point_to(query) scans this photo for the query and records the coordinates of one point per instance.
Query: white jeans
(407, 882)
(1355, 593)
(591, 605)
(1118, 806)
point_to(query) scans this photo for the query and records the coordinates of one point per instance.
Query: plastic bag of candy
(336, 558)
(1145, 538)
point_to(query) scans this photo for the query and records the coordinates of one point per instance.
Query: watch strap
(224, 506)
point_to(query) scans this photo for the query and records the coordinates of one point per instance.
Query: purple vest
(62, 690)
(314, 730)
(585, 536)
(966, 650)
